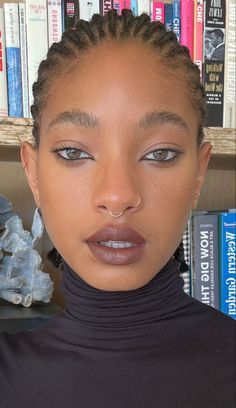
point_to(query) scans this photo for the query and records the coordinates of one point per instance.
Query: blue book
(168, 16)
(176, 18)
(134, 7)
(15, 104)
(228, 263)
(205, 255)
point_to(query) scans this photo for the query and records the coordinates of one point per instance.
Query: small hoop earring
(122, 212)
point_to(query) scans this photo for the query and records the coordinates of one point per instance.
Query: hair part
(75, 43)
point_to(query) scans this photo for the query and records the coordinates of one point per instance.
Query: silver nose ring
(122, 212)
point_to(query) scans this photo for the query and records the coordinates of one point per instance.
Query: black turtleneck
(152, 347)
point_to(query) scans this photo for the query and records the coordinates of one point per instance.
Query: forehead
(118, 82)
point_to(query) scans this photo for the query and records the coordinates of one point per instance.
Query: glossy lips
(117, 256)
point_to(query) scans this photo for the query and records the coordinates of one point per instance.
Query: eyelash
(174, 153)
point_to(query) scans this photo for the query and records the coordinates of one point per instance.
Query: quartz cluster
(21, 279)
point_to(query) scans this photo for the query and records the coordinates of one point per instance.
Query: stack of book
(206, 27)
(209, 245)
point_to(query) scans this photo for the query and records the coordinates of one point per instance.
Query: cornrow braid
(76, 42)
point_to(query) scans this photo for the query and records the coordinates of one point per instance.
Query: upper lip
(114, 233)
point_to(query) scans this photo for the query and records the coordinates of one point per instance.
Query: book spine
(54, 21)
(228, 262)
(176, 18)
(186, 16)
(229, 115)
(125, 4)
(37, 38)
(198, 34)
(157, 11)
(205, 259)
(24, 67)
(15, 108)
(168, 13)
(88, 8)
(116, 5)
(105, 6)
(134, 7)
(144, 6)
(70, 14)
(3, 73)
(187, 257)
(214, 57)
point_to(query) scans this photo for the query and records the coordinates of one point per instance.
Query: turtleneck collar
(96, 311)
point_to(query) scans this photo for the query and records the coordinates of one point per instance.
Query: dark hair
(120, 28)
(218, 33)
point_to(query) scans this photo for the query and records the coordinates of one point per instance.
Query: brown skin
(118, 85)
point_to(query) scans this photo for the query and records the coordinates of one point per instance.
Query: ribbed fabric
(152, 347)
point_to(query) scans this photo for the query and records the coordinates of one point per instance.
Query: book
(204, 262)
(229, 114)
(124, 4)
(3, 73)
(187, 256)
(157, 11)
(198, 17)
(70, 14)
(214, 57)
(88, 8)
(144, 6)
(24, 66)
(105, 6)
(228, 263)
(168, 15)
(134, 7)
(54, 21)
(186, 17)
(37, 38)
(14, 86)
(176, 18)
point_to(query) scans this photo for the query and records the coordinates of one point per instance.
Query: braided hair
(74, 44)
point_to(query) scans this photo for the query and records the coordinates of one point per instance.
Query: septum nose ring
(122, 212)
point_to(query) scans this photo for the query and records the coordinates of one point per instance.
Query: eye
(162, 155)
(71, 153)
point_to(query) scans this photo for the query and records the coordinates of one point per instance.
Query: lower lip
(116, 256)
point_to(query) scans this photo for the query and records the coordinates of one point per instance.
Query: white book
(37, 38)
(24, 65)
(12, 35)
(88, 8)
(144, 6)
(3, 75)
(54, 21)
(229, 115)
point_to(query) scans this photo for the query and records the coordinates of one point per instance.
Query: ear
(29, 155)
(204, 154)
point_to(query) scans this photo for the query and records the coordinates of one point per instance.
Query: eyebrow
(88, 120)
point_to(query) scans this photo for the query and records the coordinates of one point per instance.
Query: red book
(198, 33)
(124, 4)
(157, 11)
(186, 13)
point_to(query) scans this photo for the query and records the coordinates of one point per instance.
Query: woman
(118, 165)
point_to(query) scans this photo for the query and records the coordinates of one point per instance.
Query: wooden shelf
(13, 131)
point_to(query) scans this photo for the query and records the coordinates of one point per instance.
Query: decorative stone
(22, 280)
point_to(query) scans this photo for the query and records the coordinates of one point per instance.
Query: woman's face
(140, 141)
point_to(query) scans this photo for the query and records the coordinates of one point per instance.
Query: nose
(116, 191)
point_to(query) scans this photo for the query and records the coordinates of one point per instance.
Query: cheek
(64, 198)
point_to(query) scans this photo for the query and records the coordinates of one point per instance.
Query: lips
(116, 256)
